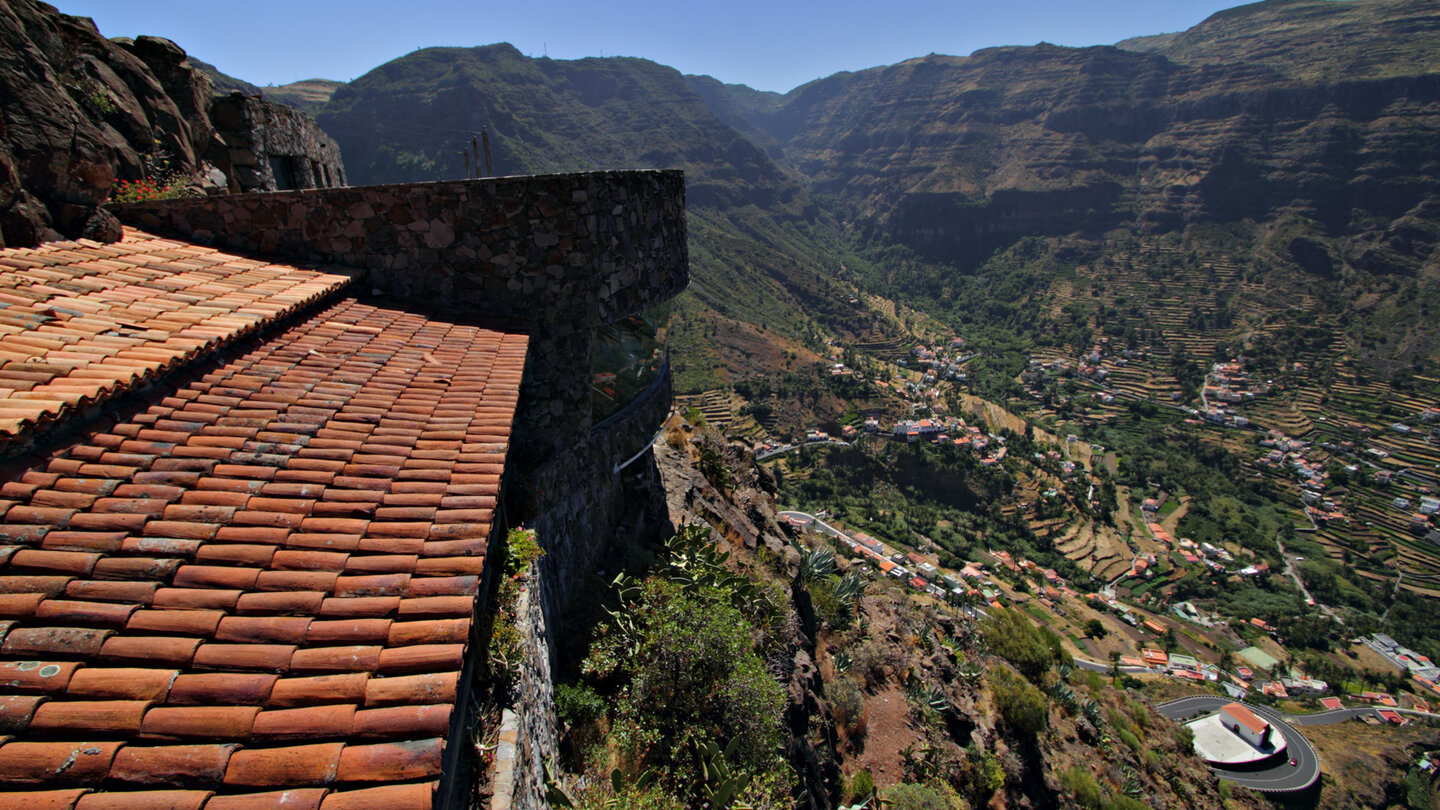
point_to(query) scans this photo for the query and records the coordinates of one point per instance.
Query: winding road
(1281, 778)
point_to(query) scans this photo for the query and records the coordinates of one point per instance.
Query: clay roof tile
(294, 799)
(145, 800)
(38, 763)
(285, 511)
(299, 765)
(172, 764)
(199, 722)
(415, 796)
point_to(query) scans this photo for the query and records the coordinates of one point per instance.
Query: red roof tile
(260, 581)
(43, 799)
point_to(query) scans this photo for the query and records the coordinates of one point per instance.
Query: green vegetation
(1022, 706)
(907, 796)
(676, 670)
(1033, 650)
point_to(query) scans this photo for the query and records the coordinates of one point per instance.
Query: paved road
(1280, 778)
(819, 525)
(1096, 666)
(786, 448)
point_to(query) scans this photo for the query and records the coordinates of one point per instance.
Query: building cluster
(951, 431)
(1419, 667)
(942, 363)
(1304, 461)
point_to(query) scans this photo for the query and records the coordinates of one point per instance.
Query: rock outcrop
(81, 112)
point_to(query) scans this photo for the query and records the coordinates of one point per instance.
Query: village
(1248, 673)
(1125, 618)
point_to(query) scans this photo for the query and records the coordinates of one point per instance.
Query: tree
(1096, 629)
(680, 664)
(1012, 637)
(1114, 664)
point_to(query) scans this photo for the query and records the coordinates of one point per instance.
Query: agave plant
(816, 563)
(971, 673)
(1133, 787)
(557, 796)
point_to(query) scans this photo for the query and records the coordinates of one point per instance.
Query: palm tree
(1114, 665)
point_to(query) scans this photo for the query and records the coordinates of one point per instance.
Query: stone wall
(529, 735)
(552, 255)
(272, 147)
(586, 508)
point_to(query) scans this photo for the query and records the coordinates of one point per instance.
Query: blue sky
(774, 45)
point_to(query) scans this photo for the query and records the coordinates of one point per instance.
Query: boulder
(82, 111)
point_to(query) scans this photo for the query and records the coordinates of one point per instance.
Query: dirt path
(888, 732)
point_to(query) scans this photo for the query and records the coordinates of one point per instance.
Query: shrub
(581, 710)
(1080, 785)
(908, 796)
(847, 705)
(862, 786)
(521, 549)
(876, 662)
(1021, 705)
(159, 181)
(1012, 637)
(686, 672)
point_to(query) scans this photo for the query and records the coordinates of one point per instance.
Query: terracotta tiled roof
(257, 588)
(1242, 715)
(80, 321)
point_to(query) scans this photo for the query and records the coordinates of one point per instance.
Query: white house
(1239, 719)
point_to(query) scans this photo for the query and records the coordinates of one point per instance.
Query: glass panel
(629, 356)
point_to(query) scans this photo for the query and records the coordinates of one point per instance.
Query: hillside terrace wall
(554, 256)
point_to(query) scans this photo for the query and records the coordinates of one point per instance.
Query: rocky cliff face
(80, 112)
(959, 156)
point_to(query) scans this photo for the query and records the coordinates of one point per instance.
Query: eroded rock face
(80, 112)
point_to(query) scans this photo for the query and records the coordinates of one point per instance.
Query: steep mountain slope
(1311, 40)
(544, 115)
(1294, 140)
(1305, 129)
(962, 155)
(758, 244)
(309, 95)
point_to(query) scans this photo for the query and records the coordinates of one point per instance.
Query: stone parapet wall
(547, 250)
(529, 733)
(552, 255)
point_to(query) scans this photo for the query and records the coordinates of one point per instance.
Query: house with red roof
(1238, 718)
(1394, 718)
